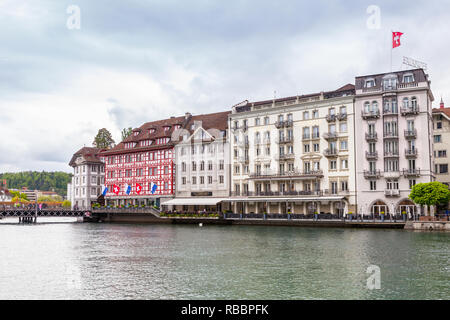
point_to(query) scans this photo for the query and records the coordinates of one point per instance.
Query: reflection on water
(113, 261)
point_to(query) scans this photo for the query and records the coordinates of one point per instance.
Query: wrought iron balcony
(342, 116)
(288, 139)
(372, 174)
(410, 134)
(330, 135)
(391, 154)
(330, 152)
(405, 111)
(411, 172)
(390, 135)
(392, 192)
(370, 114)
(244, 159)
(331, 117)
(286, 156)
(371, 137)
(389, 111)
(371, 155)
(411, 153)
(284, 124)
(292, 174)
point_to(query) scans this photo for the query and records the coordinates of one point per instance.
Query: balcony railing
(331, 117)
(371, 155)
(287, 139)
(370, 114)
(410, 134)
(411, 172)
(391, 192)
(372, 174)
(330, 152)
(411, 153)
(342, 116)
(284, 124)
(330, 135)
(409, 110)
(243, 159)
(390, 135)
(391, 154)
(388, 111)
(286, 156)
(372, 136)
(286, 174)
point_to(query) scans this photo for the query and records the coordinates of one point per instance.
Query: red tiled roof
(446, 111)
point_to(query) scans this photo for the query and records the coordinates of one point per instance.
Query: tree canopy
(103, 139)
(126, 132)
(34, 180)
(430, 193)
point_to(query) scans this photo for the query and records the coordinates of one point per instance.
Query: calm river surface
(116, 261)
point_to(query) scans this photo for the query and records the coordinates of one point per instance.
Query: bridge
(30, 215)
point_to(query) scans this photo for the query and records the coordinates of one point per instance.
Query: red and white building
(144, 159)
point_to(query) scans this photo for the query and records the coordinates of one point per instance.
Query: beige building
(393, 140)
(294, 154)
(441, 143)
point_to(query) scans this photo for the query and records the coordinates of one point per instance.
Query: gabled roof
(90, 155)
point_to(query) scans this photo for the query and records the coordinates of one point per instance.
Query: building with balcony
(389, 163)
(441, 143)
(202, 165)
(300, 155)
(88, 177)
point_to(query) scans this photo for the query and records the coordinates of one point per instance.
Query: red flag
(116, 189)
(138, 188)
(396, 39)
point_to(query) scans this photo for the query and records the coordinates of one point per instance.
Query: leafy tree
(103, 139)
(66, 204)
(45, 181)
(430, 194)
(126, 133)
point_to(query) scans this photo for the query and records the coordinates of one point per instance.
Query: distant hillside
(45, 181)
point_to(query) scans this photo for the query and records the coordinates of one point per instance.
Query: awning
(290, 199)
(192, 201)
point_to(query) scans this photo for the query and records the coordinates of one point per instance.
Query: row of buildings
(359, 148)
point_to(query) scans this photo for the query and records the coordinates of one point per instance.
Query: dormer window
(408, 78)
(152, 130)
(177, 127)
(370, 83)
(135, 133)
(166, 128)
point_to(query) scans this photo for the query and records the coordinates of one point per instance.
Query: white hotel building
(294, 154)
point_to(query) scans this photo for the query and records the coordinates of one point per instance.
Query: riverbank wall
(428, 225)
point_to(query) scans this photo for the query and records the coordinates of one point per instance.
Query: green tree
(45, 181)
(66, 204)
(103, 139)
(430, 194)
(126, 133)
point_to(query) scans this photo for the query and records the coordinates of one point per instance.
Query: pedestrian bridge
(4, 213)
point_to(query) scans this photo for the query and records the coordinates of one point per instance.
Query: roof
(4, 191)
(348, 89)
(218, 120)
(419, 76)
(90, 155)
(445, 111)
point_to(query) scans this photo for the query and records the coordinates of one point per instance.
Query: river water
(119, 261)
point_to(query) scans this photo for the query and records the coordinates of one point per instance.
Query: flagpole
(392, 37)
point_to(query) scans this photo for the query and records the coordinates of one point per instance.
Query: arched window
(374, 105)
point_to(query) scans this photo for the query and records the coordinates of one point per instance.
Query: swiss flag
(116, 189)
(138, 188)
(396, 39)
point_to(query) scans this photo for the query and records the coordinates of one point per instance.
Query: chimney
(187, 115)
(442, 104)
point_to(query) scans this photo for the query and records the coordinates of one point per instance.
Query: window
(343, 145)
(437, 138)
(266, 120)
(443, 168)
(257, 121)
(442, 154)
(315, 114)
(344, 185)
(210, 179)
(202, 180)
(370, 83)
(408, 78)
(194, 180)
(343, 110)
(316, 147)
(306, 148)
(306, 115)
(221, 181)
(343, 127)
(194, 166)
(412, 183)
(373, 185)
(166, 169)
(183, 166)
(438, 125)
(202, 165)
(221, 165)
(344, 164)
(333, 165)
(183, 180)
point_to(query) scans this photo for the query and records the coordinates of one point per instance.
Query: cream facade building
(441, 143)
(393, 113)
(294, 154)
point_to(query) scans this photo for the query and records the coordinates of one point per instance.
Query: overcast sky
(136, 61)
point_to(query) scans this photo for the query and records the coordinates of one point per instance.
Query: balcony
(370, 114)
(411, 153)
(371, 155)
(410, 134)
(390, 111)
(405, 111)
(371, 137)
(284, 124)
(342, 116)
(330, 152)
(288, 139)
(286, 156)
(390, 135)
(306, 137)
(243, 159)
(240, 127)
(287, 175)
(411, 173)
(391, 192)
(331, 117)
(330, 135)
(391, 154)
(372, 174)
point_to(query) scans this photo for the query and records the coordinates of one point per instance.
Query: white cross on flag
(116, 189)
(396, 39)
